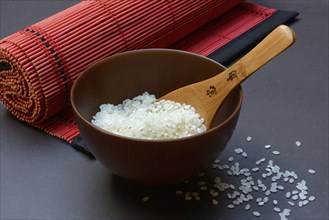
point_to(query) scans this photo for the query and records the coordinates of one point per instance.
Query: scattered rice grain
(311, 198)
(238, 150)
(276, 209)
(255, 213)
(249, 186)
(261, 203)
(311, 171)
(265, 200)
(294, 192)
(275, 152)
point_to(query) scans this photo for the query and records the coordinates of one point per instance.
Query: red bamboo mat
(40, 63)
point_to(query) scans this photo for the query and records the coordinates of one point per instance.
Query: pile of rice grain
(142, 117)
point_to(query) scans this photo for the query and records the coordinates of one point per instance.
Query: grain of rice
(258, 162)
(255, 213)
(268, 146)
(249, 138)
(298, 143)
(311, 171)
(236, 202)
(247, 207)
(311, 198)
(294, 192)
(288, 194)
(276, 209)
(275, 152)
(267, 192)
(247, 174)
(261, 203)
(238, 150)
(265, 200)
(294, 197)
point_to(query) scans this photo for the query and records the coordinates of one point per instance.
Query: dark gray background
(287, 100)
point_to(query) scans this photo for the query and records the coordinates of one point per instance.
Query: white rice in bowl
(142, 117)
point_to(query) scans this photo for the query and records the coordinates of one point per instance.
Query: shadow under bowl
(157, 71)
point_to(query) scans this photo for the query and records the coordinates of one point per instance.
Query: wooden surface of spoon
(208, 95)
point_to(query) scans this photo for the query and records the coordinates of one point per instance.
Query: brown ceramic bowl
(157, 71)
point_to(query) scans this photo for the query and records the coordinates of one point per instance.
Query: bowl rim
(100, 62)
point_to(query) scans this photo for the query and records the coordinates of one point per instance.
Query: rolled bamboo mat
(39, 63)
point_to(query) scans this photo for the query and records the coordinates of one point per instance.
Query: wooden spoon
(208, 95)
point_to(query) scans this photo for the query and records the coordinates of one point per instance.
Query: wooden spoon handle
(272, 45)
